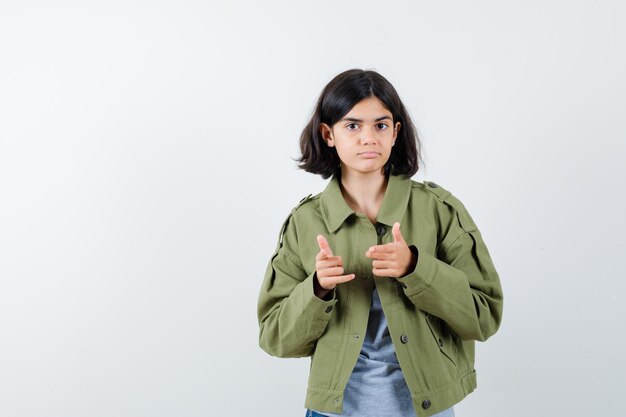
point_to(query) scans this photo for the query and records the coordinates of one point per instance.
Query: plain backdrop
(146, 166)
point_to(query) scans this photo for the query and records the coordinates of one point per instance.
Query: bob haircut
(339, 96)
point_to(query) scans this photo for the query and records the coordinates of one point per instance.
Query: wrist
(319, 292)
(413, 261)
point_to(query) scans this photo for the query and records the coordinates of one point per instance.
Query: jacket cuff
(422, 276)
(312, 305)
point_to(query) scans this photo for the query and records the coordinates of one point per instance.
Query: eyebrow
(352, 119)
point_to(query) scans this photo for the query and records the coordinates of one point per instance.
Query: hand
(329, 269)
(393, 259)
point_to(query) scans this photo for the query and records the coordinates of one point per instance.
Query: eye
(382, 126)
(351, 126)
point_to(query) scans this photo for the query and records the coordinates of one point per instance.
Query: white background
(145, 170)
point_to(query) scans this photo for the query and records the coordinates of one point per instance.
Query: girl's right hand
(329, 269)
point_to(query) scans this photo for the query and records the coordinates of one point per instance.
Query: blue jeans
(311, 413)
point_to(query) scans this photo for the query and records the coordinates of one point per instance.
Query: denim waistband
(311, 413)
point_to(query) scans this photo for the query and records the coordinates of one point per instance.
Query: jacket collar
(335, 210)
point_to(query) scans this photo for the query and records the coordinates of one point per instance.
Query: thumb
(397, 235)
(323, 244)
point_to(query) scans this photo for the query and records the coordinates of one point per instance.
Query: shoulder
(433, 188)
(304, 207)
(307, 206)
(444, 201)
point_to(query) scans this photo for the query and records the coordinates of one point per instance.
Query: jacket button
(381, 230)
(425, 404)
(440, 342)
(403, 284)
(329, 309)
(404, 338)
(432, 184)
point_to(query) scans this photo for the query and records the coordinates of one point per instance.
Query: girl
(384, 281)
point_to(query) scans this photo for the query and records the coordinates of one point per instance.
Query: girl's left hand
(393, 259)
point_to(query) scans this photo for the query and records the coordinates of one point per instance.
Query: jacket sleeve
(291, 317)
(461, 286)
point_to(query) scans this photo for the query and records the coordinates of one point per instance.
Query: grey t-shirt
(377, 386)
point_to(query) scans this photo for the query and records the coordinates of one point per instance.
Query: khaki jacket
(435, 313)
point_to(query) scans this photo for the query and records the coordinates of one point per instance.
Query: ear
(327, 134)
(396, 129)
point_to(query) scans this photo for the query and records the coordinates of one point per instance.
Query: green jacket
(434, 313)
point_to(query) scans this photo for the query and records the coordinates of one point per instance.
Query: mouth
(369, 154)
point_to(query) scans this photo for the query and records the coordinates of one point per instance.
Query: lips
(369, 154)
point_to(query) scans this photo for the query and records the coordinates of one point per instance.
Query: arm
(463, 288)
(291, 317)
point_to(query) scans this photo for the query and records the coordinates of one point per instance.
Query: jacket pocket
(442, 336)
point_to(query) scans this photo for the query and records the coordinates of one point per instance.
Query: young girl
(384, 281)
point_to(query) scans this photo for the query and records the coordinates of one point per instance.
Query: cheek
(344, 146)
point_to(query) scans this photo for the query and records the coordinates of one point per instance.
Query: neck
(363, 192)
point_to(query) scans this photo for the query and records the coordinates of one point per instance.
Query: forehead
(368, 108)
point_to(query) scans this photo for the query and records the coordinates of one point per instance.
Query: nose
(368, 136)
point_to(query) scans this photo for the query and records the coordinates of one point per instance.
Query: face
(364, 137)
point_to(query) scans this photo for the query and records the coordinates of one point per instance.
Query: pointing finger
(380, 249)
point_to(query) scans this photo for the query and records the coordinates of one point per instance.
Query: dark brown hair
(339, 96)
